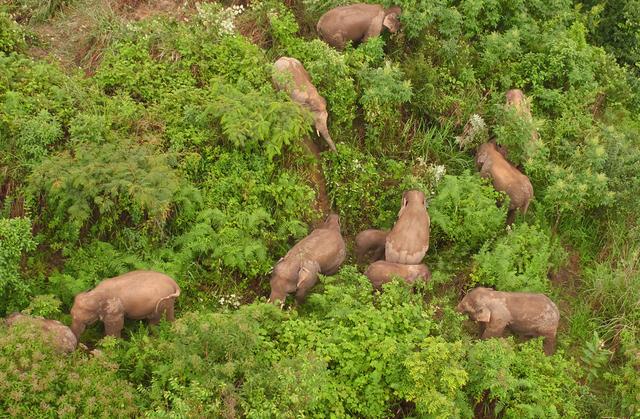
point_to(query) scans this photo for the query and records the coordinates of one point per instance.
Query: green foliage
(522, 381)
(367, 190)
(11, 35)
(38, 382)
(626, 381)
(383, 93)
(102, 185)
(465, 212)
(614, 293)
(46, 305)
(15, 240)
(518, 261)
(437, 376)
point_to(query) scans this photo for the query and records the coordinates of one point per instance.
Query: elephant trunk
(321, 128)
(77, 327)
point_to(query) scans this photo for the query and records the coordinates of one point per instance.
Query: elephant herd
(395, 253)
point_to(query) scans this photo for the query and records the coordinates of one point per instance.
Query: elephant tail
(174, 295)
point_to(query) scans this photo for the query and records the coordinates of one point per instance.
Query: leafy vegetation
(172, 151)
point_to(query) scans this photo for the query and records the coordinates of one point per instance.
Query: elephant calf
(61, 336)
(135, 295)
(505, 177)
(408, 240)
(524, 313)
(381, 272)
(322, 251)
(356, 22)
(371, 242)
(290, 76)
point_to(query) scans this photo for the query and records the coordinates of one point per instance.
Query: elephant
(60, 335)
(526, 314)
(135, 295)
(356, 22)
(322, 251)
(371, 242)
(290, 76)
(381, 272)
(505, 177)
(517, 99)
(408, 240)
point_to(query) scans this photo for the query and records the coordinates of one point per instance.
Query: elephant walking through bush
(135, 295)
(322, 251)
(356, 22)
(290, 75)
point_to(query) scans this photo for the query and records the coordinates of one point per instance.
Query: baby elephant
(61, 336)
(289, 75)
(381, 272)
(135, 295)
(524, 313)
(356, 22)
(371, 242)
(322, 251)
(408, 240)
(505, 177)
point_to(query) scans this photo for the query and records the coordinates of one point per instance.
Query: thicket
(178, 155)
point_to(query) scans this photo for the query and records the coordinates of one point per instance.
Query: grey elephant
(356, 22)
(60, 335)
(526, 314)
(135, 295)
(371, 242)
(517, 99)
(505, 178)
(408, 240)
(322, 251)
(290, 76)
(381, 272)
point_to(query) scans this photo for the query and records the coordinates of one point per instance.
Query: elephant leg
(493, 330)
(307, 278)
(511, 216)
(549, 344)
(113, 325)
(155, 319)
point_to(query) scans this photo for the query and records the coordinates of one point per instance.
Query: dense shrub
(39, 382)
(519, 261)
(464, 211)
(15, 240)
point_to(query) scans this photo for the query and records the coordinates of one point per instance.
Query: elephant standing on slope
(356, 22)
(517, 99)
(321, 252)
(289, 75)
(60, 335)
(408, 241)
(135, 295)
(505, 177)
(526, 314)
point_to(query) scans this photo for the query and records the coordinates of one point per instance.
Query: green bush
(11, 35)
(519, 261)
(464, 212)
(103, 185)
(15, 240)
(520, 381)
(39, 382)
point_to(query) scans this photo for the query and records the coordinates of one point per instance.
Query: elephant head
(474, 304)
(413, 197)
(89, 307)
(320, 115)
(391, 21)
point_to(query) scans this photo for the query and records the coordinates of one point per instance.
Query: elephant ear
(483, 315)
